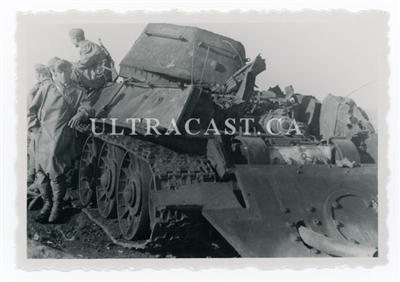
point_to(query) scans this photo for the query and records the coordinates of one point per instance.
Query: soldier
(89, 71)
(50, 66)
(43, 77)
(54, 112)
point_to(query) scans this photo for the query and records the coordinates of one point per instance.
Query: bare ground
(82, 234)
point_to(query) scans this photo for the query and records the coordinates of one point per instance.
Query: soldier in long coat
(43, 77)
(89, 71)
(54, 112)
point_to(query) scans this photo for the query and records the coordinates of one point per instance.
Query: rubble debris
(36, 237)
(35, 203)
(38, 250)
(346, 163)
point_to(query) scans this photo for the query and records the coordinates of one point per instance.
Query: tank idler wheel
(109, 158)
(87, 170)
(132, 198)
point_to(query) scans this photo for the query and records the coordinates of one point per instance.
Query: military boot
(56, 212)
(47, 206)
(59, 188)
(44, 213)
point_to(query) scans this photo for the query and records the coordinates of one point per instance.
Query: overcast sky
(316, 58)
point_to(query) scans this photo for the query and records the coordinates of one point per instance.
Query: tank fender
(344, 148)
(253, 149)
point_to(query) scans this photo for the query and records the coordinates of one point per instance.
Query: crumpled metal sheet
(341, 117)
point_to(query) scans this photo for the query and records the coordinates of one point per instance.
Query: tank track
(172, 227)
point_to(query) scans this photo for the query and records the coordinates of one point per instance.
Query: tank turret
(169, 52)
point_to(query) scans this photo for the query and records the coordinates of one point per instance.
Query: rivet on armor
(317, 222)
(290, 224)
(311, 209)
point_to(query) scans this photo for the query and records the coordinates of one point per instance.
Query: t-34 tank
(174, 149)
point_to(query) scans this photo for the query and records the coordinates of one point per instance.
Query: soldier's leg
(43, 182)
(59, 186)
(31, 170)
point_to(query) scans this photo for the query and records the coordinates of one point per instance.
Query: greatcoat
(50, 111)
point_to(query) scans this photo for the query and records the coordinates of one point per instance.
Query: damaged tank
(184, 144)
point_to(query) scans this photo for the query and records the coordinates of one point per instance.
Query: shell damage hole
(300, 224)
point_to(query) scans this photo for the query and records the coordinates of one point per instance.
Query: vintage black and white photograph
(177, 143)
(188, 138)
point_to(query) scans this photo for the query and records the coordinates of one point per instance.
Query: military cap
(61, 64)
(51, 62)
(41, 69)
(76, 33)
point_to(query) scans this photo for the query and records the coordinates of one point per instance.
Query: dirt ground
(80, 236)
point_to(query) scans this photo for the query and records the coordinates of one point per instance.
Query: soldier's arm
(85, 107)
(84, 111)
(33, 109)
(32, 93)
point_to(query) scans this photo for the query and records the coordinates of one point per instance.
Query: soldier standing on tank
(43, 77)
(89, 71)
(54, 112)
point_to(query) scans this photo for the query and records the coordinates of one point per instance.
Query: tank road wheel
(132, 199)
(87, 170)
(109, 159)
